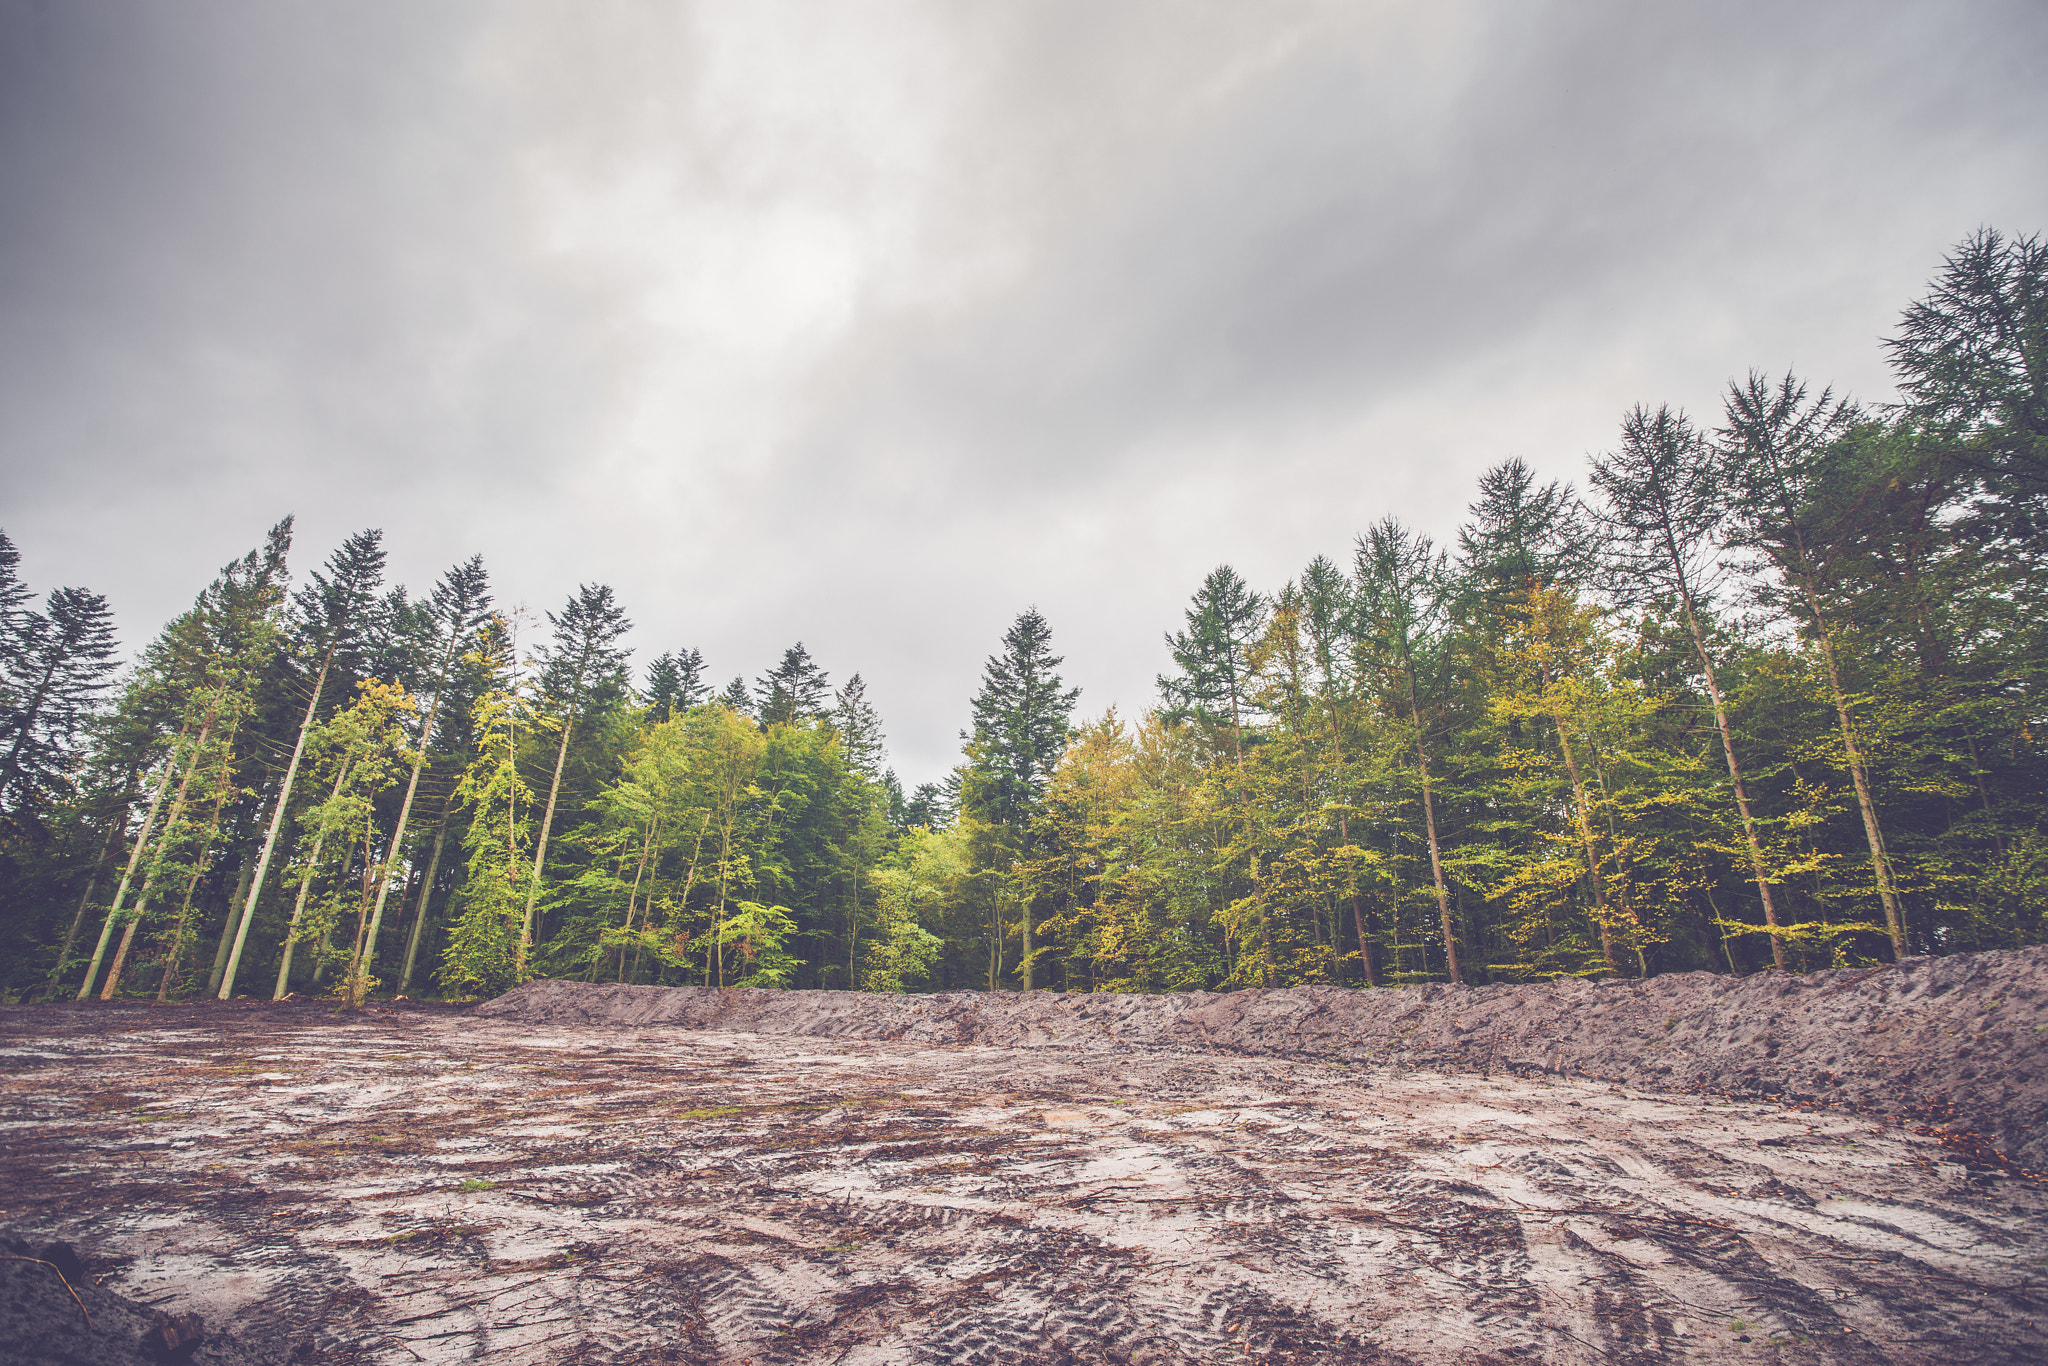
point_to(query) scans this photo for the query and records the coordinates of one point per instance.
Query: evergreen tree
(1403, 593)
(1796, 500)
(1665, 506)
(582, 673)
(334, 621)
(928, 808)
(675, 683)
(15, 624)
(1972, 360)
(1022, 720)
(1518, 534)
(794, 690)
(1214, 684)
(61, 659)
(736, 698)
(859, 727)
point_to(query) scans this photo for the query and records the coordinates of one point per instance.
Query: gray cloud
(872, 324)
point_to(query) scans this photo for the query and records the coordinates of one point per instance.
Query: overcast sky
(872, 324)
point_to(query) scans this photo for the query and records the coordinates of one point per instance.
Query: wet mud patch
(428, 1186)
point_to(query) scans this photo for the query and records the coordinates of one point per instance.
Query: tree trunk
(1030, 969)
(419, 920)
(354, 984)
(1756, 850)
(142, 898)
(1894, 920)
(405, 808)
(633, 897)
(540, 852)
(1436, 863)
(78, 917)
(1585, 822)
(227, 928)
(163, 785)
(284, 966)
(176, 951)
(284, 798)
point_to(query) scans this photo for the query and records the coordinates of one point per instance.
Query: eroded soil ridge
(1959, 1041)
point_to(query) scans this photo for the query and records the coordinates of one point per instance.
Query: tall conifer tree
(334, 621)
(583, 671)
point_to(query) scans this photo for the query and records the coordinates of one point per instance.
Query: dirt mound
(1961, 1040)
(54, 1311)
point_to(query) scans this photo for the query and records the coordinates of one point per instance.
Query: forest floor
(421, 1184)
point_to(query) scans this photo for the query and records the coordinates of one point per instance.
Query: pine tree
(736, 698)
(459, 606)
(1403, 587)
(60, 663)
(1972, 360)
(928, 808)
(335, 619)
(794, 690)
(1518, 534)
(583, 672)
(1665, 505)
(675, 683)
(1781, 452)
(1022, 720)
(859, 727)
(1214, 684)
(14, 624)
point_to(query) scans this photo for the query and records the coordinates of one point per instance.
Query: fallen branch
(60, 1276)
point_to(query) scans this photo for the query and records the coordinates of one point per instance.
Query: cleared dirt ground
(411, 1184)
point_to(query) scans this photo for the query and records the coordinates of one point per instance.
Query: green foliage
(1774, 697)
(484, 955)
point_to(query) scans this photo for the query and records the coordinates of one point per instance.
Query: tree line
(1768, 693)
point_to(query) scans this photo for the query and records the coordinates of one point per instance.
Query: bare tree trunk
(419, 919)
(1367, 959)
(540, 851)
(1756, 849)
(1585, 823)
(633, 897)
(284, 966)
(1436, 863)
(1024, 920)
(163, 784)
(1894, 919)
(142, 898)
(284, 798)
(78, 917)
(176, 951)
(354, 984)
(405, 807)
(227, 929)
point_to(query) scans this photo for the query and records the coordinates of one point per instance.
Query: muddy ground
(411, 1184)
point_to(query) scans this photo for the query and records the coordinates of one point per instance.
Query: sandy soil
(413, 1185)
(1959, 1041)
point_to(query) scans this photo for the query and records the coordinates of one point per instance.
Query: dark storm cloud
(254, 261)
(1319, 248)
(872, 324)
